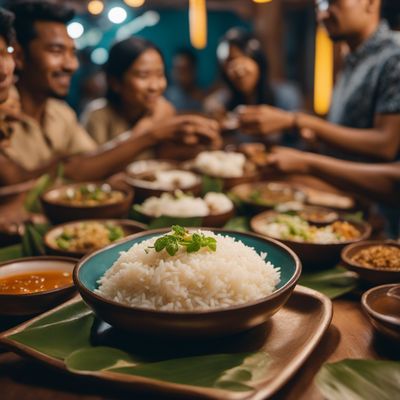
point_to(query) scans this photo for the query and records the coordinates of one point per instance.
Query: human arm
(380, 181)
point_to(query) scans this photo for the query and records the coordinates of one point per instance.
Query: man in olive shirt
(47, 129)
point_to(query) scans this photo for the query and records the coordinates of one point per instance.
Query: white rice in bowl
(221, 163)
(232, 275)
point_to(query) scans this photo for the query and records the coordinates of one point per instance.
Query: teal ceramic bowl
(193, 324)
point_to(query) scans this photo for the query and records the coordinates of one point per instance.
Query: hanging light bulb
(198, 23)
(323, 72)
(95, 7)
(134, 3)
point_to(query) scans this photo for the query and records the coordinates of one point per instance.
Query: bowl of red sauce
(35, 284)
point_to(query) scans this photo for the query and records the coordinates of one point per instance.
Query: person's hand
(256, 120)
(288, 160)
(190, 129)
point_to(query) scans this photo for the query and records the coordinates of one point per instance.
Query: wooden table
(349, 336)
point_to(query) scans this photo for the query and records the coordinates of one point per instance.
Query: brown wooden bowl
(145, 189)
(58, 211)
(383, 309)
(129, 227)
(313, 255)
(244, 193)
(373, 275)
(29, 304)
(183, 324)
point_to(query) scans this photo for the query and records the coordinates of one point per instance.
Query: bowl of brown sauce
(35, 284)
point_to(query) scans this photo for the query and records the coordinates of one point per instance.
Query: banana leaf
(333, 283)
(211, 184)
(360, 380)
(11, 252)
(32, 202)
(70, 334)
(238, 224)
(167, 222)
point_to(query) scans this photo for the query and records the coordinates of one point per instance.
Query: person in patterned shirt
(364, 118)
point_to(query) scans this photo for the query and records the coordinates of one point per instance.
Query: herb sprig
(181, 237)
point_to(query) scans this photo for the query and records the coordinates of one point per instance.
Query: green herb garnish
(181, 237)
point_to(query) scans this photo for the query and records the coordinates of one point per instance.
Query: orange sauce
(34, 282)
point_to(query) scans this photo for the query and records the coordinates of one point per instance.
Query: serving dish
(312, 255)
(371, 274)
(208, 323)
(382, 306)
(58, 209)
(33, 303)
(50, 238)
(178, 369)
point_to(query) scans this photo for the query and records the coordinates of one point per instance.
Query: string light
(95, 7)
(117, 15)
(323, 73)
(75, 30)
(198, 23)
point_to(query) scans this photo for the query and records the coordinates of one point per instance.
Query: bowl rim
(121, 222)
(126, 190)
(377, 315)
(73, 260)
(364, 235)
(368, 243)
(291, 282)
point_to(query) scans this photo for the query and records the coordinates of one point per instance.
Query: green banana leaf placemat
(253, 364)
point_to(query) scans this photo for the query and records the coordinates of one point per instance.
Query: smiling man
(47, 129)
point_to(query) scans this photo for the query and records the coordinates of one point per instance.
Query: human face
(6, 70)
(241, 70)
(343, 19)
(50, 60)
(143, 83)
(183, 71)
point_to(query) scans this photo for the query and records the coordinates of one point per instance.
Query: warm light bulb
(262, 1)
(134, 3)
(323, 72)
(198, 23)
(117, 15)
(95, 7)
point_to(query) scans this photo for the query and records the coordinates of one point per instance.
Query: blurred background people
(183, 91)
(364, 118)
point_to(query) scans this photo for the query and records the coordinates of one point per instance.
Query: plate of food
(78, 238)
(85, 201)
(317, 246)
(214, 209)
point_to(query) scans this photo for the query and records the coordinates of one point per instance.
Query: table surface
(349, 336)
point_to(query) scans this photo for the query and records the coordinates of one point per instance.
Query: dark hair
(251, 47)
(121, 57)
(27, 12)
(188, 53)
(6, 26)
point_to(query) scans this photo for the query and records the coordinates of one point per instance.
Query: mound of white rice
(221, 163)
(234, 274)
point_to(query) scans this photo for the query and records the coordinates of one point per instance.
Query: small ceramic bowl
(280, 192)
(29, 304)
(382, 306)
(57, 210)
(218, 322)
(370, 274)
(144, 187)
(129, 227)
(313, 255)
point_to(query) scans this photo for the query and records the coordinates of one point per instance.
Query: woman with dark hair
(134, 102)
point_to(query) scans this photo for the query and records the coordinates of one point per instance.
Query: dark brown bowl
(382, 309)
(129, 227)
(57, 211)
(185, 324)
(29, 304)
(373, 275)
(244, 191)
(313, 255)
(145, 189)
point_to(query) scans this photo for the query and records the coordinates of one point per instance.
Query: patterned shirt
(369, 82)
